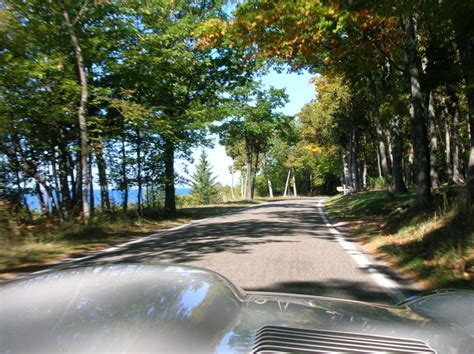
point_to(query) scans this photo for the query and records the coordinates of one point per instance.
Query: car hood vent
(270, 339)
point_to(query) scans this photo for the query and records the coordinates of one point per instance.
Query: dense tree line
(251, 126)
(396, 91)
(105, 93)
(111, 93)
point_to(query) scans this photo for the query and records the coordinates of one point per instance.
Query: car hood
(153, 308)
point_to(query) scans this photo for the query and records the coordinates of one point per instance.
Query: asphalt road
(282, 246)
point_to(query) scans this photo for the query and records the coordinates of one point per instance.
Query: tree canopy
(109, 94)
(396, 52)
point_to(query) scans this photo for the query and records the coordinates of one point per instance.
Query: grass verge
(433, 247)
(44, 242)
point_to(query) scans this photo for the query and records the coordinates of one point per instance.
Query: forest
(111, 93)
(394, 87)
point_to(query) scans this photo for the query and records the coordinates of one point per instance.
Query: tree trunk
(242, 186)
(139, 172)
(466, 153)
(447, 142)
(409, 168)
(49, 196)
(232, 180)
(388, 134)
(102, 172)
(379, 167)
(124, 183)
(420, 143)
(265, 170)
(457, 175)
(379, 133)
(57, 194)
(254, 175)
(31, 165)
(47, 201)
(462, 19)
(170, 194)
(91, 186)
(397, 156)
(81, 112)
(55, 179)
(293, 179)
(42, 204)
(63, 175)
(79, 179)
(346, 171)
(270, 189)
(248, 176)
(73, 172)
(354, 170)
(470, 166)
(433, 142)
(364, 175)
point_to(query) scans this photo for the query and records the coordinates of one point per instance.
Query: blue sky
(299, 90)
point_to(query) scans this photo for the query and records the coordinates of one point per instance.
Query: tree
(462, 17)
(38, 98)
(98, 62)
(183, 102)
(361, 38)
(204, 187)
(82, 107)
(116, 91)
(252, 122)
(336, 120)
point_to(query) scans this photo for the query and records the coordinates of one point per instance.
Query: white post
(286, 184)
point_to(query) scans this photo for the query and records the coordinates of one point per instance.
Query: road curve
(282, 246)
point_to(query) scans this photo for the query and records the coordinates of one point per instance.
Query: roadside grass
(433, 247)
(45, 242)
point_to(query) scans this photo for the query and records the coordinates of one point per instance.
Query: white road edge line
(392, 287)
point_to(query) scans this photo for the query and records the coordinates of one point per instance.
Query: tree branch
(384, 53)
(81, 12)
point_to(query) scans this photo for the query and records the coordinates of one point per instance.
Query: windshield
(311, 148)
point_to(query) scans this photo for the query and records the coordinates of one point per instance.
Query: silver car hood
(153, 308)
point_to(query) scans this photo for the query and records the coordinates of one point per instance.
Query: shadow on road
(195, 242)
(240, 233)
(222, 234)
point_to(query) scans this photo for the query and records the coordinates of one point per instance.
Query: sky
(299, 90)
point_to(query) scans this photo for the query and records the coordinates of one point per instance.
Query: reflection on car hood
(152, 308)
